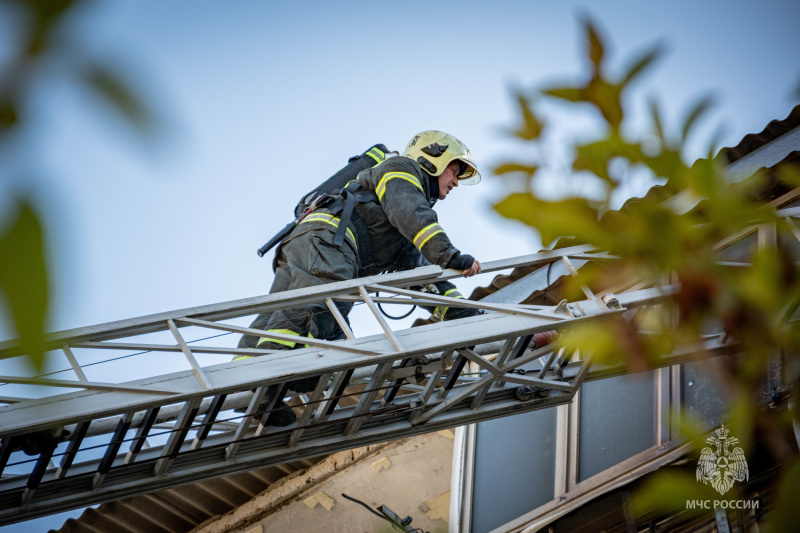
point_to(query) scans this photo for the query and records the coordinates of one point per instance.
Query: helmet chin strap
(434, 185)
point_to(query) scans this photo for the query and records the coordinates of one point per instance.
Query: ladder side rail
(127, 346)
(243, 375)
(347, 346)
(248, 306)
(539, 258)
(221, 311)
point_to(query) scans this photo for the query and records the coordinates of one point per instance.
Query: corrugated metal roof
(182, 508)
(754, 141)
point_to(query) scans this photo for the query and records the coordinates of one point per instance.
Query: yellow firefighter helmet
(434, 150)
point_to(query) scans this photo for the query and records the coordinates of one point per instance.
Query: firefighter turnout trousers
(304, 260)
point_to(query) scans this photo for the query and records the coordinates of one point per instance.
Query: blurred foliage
(673, 234)
(23, 278)
(46, 46)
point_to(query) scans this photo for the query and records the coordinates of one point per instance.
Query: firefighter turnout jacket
(398, 223)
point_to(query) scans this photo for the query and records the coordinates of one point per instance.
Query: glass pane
(702, 395)
(617, 421)
(514, 467)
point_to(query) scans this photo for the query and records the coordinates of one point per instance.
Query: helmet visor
(467, 173)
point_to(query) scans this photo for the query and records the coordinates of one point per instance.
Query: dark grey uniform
(402, 231)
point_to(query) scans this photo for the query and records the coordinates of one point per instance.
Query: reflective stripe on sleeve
(380, 190)
(333, 221)
(441, 312)
(425, 234)
(290, 344)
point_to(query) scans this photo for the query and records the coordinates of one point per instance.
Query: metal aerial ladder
(103, 441)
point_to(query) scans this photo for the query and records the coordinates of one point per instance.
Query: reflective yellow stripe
(376, 154)
(425, 234)
(332, 220)
(421, 232)
(290, 344)
(381, 188)
(436, 311)
(429, 238)
(310, 336)
(241, 357)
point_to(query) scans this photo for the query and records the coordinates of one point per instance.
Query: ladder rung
(208, 420)
(395, 387)
(6, 448)
(123, 426)
(365, 402)
(176, 438)
(41, 467)
(309, 410)
(280, 392)
(452, 376)
(141, 434)
(244, 424)
(332, 397)
(72, 449)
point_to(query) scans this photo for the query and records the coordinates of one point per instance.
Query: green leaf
(597, 341)
(789, 174)
(508, 168)
(595, 43)
(642, 62)
(786, 514)
(697, 111)
(570, 217)
(24, 280)
(668, 491)
(607, 97)
(655, 116)
(111, 88)
(531, 126)
(571, 94)
(8, 115)
(594, 157)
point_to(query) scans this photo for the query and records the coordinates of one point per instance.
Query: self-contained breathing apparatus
(336, 190)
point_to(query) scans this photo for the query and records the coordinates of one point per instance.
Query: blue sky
(264, 100)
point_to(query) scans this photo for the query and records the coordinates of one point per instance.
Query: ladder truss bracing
(104, 441)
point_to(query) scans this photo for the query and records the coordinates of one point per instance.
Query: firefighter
(389, 225)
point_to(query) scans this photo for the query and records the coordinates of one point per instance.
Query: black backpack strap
(344, 218)
(343, 207)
